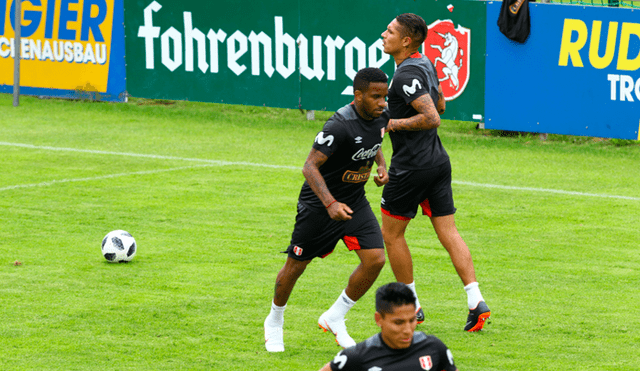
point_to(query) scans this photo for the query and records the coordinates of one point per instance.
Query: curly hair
(366, 76)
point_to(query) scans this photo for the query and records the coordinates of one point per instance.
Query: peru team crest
(426, 363)
(448, 48)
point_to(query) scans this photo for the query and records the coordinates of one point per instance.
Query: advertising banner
(69, 48)
(577, 74)
(293, 54)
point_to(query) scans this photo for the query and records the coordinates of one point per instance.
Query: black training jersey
(351, 144)
(414, 150)
(426, 352)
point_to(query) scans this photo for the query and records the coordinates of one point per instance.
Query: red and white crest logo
(426, 362)
(448, 48)
(297, 250)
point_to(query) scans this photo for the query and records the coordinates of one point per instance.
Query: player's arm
(326, 367)
(381, 178)
(442, 104)
(427, 117)
(311, 170)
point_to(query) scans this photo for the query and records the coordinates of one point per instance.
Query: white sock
(473, 295)
(340, 308)
(412, 286)
(276, 316)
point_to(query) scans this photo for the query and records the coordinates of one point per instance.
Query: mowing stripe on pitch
(545, 190)
(225, 163)
(155, 157)
(52, 182)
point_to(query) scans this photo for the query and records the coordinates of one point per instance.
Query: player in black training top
(420, 171)
(332, 205)
(398, 347)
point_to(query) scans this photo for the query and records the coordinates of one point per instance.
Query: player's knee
(390, 237)
(376, 263)
(295, 267)
(386, 236)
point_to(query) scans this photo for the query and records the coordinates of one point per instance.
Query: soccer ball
(118, 246)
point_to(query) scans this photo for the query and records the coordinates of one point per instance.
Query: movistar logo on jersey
(365, 154)
(411, 90)
(340, 360)
(320, 139)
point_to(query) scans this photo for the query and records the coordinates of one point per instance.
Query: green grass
(559, 271)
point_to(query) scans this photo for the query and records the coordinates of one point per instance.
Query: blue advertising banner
(577, 74)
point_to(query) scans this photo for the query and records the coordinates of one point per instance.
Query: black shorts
(315, 234)
(431, 189)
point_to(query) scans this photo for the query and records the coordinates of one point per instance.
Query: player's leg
(362, 234)
(306, 244)
(456, 247)
(441, 210)
(461, 258)
(393, 230)
(285, 281)
(400, 202)
(365, 274)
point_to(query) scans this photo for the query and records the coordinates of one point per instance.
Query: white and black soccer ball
(119, 246)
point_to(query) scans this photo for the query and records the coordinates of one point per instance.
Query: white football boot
(338, 328)
(273, 338)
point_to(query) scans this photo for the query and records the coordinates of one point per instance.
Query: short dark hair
(393, 295)
(366, 76)
(413, 26)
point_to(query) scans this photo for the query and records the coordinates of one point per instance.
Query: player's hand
(382, 177)
(339, 211)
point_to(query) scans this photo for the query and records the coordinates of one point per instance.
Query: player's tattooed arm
(427, 117)
(442, 104)
(311, 172)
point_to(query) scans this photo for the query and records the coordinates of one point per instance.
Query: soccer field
(209, 192)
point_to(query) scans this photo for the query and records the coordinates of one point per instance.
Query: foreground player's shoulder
(337, 121)
(354, 357)
(410, 83)
(335, 124)
(421, 337)
(413, 73)
(346, 113)
(347, 359)
(437, 348)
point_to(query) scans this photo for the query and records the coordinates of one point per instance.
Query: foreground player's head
(396, 314)
(392, 295)
(370, 90)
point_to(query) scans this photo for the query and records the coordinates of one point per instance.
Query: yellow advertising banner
(65, 43)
